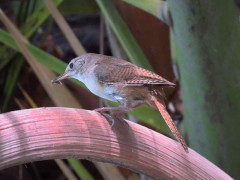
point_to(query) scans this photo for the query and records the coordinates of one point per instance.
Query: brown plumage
(120, 81)
(159, 104)
(114, 70)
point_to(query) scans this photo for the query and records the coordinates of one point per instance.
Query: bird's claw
(111, 119)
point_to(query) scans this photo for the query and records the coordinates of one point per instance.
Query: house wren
(120, 81)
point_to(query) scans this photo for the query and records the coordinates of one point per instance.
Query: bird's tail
(159, 104)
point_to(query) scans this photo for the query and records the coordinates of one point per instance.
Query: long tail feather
(160, 106)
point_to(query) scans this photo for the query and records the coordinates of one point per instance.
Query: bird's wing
(127, 73)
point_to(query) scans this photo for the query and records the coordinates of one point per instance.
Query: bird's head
(75, 67)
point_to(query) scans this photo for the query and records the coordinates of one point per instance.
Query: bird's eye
(71, 65)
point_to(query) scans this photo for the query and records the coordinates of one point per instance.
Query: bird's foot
(109, 118)
(116, 116)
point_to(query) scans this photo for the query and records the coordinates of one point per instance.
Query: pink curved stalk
(49, 133)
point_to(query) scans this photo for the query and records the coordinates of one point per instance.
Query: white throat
(90, 80)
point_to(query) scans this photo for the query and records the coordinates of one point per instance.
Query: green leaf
(80, 169)
(44, 58)
(12, 78)
(5, 52)
(152, 118)
(123, 34)
(28, 28)
(36, 19)
(79, 6)
(150, 6)
(50, 61)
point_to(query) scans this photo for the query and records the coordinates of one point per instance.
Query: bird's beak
(61, 77)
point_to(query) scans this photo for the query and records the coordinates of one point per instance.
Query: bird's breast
(100, 89)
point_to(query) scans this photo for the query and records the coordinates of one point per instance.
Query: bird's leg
(118, 115)
(109, 118)
(120, 109)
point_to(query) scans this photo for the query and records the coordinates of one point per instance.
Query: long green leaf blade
(124, 35)
(35, 20)
(44, 58)
(80, 169)
(12, 78)
(28, 28)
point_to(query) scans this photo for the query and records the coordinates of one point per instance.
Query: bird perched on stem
(120, 81)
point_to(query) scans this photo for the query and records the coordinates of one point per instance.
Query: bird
(120, 81)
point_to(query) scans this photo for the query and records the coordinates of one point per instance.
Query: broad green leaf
(152, 118)
(123, 34)
(150, 6)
